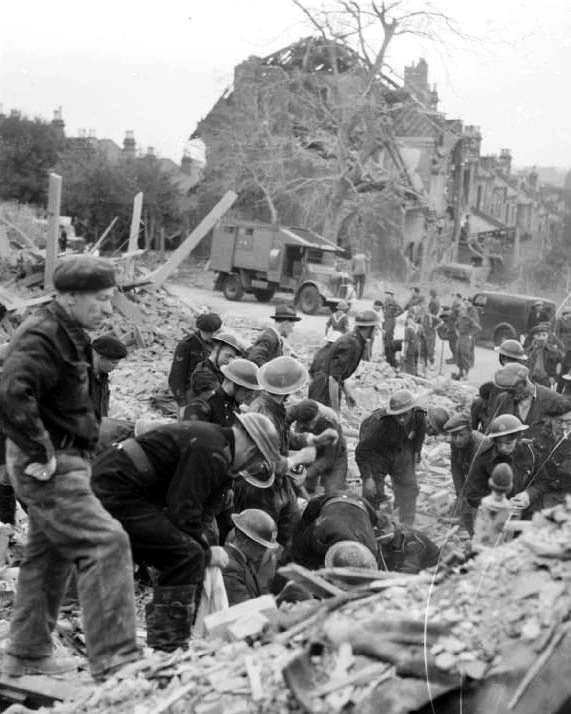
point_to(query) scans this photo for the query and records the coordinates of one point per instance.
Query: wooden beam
(134, 234)
(54, 204)
(104, 235)
(25, 241)
(193, 239)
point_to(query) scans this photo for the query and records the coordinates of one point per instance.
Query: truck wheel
(264, 295)
(504, 332)
(309, 300)
(233, 289)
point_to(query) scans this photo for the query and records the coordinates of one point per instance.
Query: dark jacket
(45, 386)
(101, 394)
(331, 518)
(544, 404)
(461, 460)
(527, 474)
(264, 404)
(205, 378)
(391, 310)
(190, 474)
(268, 346)
(214, 406)
(330, 457)
(240, 578)
(548, 355)
(340, 362)
(409, 552)
(380, 433)
(188, 353)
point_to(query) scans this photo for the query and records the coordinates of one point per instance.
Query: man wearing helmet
(189, 352)
(505, 445)
(208, 373)
(163, 487)
(390, 442)
(219, 406)
(250, 550)
(341, 361)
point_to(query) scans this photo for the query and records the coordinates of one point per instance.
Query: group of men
(219, 487)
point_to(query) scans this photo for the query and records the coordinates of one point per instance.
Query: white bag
(212, 599)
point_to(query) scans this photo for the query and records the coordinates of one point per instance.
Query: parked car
(505, 316)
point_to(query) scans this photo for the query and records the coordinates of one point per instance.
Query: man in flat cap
(270, 342)
(48, 417)
(189, 352)
(108, 351)
(391, 310)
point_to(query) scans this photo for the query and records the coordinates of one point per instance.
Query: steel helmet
(501, 478)
(282, 375)
(367, 318)
(258, 526)
(438, 416)
(505, 425)
(263, 433)
(242, 372)
(350, 554)
(232, 340)
(512, 349)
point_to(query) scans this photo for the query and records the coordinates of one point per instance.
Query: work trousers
(388, 341)
(67, 527)
(359, 281)
(400, 466)
(333, 479)
(462, 508)
(155, 539)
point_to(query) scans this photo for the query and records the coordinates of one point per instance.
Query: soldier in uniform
(208, 375)
(391, 310)
(194, 348)
(219, 406)
(270, 342)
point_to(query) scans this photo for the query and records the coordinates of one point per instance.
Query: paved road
(249, 307)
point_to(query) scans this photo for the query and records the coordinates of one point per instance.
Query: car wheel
(233, 289)
(309, 300)
(504, 332)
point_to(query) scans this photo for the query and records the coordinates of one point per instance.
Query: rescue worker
(329, 470)
(270, 343)
(7, 495)
(341, 361)
(416, 299)
(350, 554)
(545, 356)
(108, 351)
(532, 403)
(338, 322)
(219, 405)
(452, 316)
(329, 519)
(207, 374)
(505, 445)
(467, 327)
(279, 378)
(434, 303)
(436, 418)
(359, 270)
(190, 351)
(465, 445)
(253, 545)
(48, 417)
(163, 487)
(404, 550)
(511, 351)
(390, 442)
(539, 314)
(391, 310)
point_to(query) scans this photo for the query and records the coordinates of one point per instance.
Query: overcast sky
(157, 68)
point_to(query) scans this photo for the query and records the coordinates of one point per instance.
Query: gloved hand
(521, 500)
(218, 557)
(41, 472)
(369, 488)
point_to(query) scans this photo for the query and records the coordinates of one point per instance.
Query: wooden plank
(54, 205)
(193, 239)
(315, 584)
(25, 241)
(103, 236)
(134, 234)
(215, 624)
(37, 690)
(127, 308)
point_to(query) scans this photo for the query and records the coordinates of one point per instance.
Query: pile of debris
(486, 636)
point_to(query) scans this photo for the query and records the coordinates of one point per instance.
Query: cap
(510, 375)
(512, 349)
(283, 313)
(83, 274)
(110, 347)
(367, 318)
(458, 422)
(540, 327)
(538, 303)
(401, 402)
(350, 554)
(208, 322)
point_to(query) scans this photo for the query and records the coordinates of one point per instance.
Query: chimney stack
(129, 144)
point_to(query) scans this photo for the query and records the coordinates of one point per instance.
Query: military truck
(261, 259)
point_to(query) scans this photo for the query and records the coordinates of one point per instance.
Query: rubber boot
(169, 617)
(7, 504)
